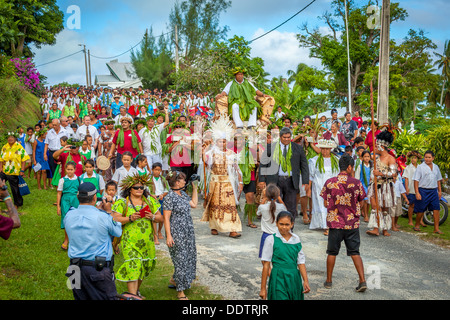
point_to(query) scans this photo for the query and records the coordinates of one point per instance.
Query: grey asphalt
(399, 267)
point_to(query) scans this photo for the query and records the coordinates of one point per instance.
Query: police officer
(90, 233)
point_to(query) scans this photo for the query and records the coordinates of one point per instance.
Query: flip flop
(183, 298)
(64, 246)
(251, 225)
(171, 286)
(416, 229)
(361, 287)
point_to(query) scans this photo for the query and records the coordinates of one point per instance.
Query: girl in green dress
(91, 176)
(137, 244)
(67, 196)
(284, 250)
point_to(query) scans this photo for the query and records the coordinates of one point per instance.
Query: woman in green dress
(137, 244)
(284, 250)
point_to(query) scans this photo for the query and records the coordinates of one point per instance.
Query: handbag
(23, 187)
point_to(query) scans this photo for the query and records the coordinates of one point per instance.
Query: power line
(304, 8)
(43, 64)
(108, 58)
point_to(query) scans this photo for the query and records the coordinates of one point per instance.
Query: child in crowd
(29, 141)
(86, 150)
(142, 165)
(363, 173)
(57, 174)
(284, 250)
(67, 196)
(408, 174)
(396, 211)
(124, 171)
(268, 210)
(90, 176)
(159, 188)
(427, 186)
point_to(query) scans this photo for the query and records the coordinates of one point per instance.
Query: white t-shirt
(409, 173)
(120, 174)
(149, 138)
(228, 86)
(267, 225)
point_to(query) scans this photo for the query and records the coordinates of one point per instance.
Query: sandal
(251, 225)
(214, 232)
(361, 287)
(416, 229)
(182, 298)
(64, 246)
(234, 235)
(328, 285)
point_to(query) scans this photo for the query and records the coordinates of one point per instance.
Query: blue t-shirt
(348, 129)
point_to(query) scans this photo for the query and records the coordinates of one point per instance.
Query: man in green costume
(242, 105)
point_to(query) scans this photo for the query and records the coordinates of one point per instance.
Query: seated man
(241, 99)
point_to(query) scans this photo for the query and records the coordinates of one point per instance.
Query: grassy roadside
(33, 266)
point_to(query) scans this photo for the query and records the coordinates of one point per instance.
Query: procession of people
(145, 157)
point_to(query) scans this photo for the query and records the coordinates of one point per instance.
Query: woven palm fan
(103, 163)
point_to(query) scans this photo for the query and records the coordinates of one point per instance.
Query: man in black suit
(274, 168)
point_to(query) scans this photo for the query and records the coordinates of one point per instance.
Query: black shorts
(251, 187)
(351, 240)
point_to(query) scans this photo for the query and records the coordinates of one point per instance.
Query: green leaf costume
(244, 95)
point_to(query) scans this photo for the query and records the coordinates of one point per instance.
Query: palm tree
(444, 63)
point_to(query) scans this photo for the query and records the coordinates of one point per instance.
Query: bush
(439, 143)
(405, 142)
(27, 74)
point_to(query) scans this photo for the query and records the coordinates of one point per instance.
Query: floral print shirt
(343, 195)
(12, 158)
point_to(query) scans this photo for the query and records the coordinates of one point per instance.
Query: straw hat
(103, 163)
(324, 143)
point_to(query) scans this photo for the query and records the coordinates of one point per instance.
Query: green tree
(443, 63)
(29, 22)
(197, 22)
(331, 48)
(152, 61)
(217, 64)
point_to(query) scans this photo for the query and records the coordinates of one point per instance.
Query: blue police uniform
(90, 233)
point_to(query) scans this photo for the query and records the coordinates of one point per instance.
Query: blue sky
(108, 28)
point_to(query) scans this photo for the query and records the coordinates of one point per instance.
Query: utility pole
(177, 61)
(85, 63)
(383, 77)
(348, 61)
(89, 62)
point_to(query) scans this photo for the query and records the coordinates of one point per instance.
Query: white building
(122, 75)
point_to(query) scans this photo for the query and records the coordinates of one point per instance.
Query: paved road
(398, 267)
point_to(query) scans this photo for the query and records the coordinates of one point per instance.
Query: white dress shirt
(53, 139)
(428, 179)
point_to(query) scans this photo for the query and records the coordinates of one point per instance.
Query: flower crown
(12, 134)
(131, 180)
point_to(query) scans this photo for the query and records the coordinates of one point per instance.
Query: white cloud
(281, 52)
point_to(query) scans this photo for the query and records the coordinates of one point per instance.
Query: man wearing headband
(90, 231)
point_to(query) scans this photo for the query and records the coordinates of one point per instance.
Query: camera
(192, 178)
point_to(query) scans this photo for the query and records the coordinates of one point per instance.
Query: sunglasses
(138, 188)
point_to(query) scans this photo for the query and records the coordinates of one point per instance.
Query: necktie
(285, 151)
(87, 130)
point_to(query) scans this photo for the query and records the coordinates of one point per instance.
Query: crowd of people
(144, 156)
